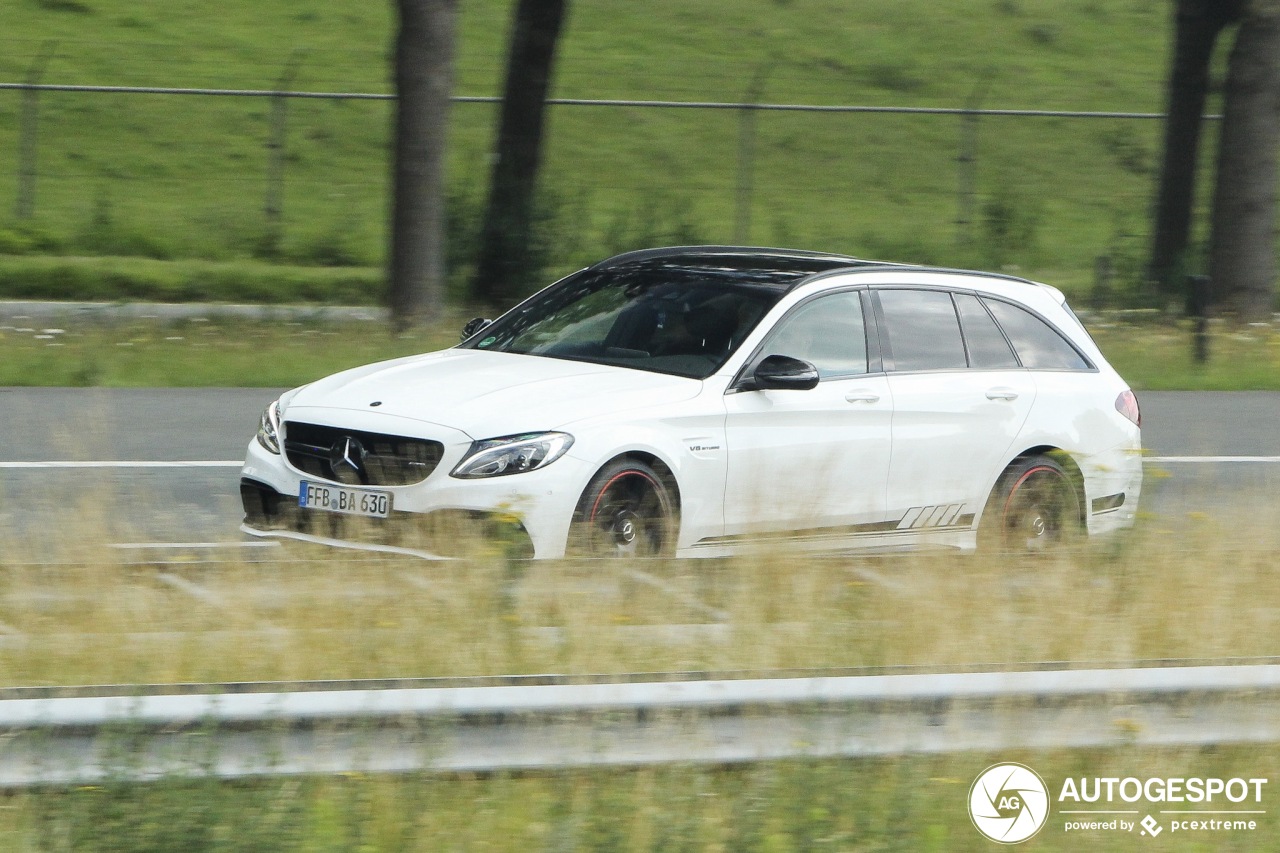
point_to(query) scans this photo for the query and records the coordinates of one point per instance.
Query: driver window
(828, 332)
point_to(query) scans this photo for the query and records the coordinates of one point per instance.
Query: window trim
(882, 324)
(1005, 335)
(886, 350)
(742, 379)
(1089, 367)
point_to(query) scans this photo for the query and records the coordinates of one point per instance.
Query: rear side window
(923, 331)
(1039, 345)
(988, 349)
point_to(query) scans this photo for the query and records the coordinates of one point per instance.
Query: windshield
(683, 320)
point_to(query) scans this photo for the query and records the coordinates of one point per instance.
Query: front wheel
(1034, 507)
(626, 511)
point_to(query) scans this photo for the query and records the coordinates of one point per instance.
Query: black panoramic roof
(776, 269)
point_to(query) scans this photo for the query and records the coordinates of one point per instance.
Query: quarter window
(923, 331)
(828, 332)
(1038, 344)
(988, 349)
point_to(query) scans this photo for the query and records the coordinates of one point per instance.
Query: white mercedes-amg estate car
(694, 401)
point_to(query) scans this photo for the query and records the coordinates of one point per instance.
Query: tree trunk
(503, 268)
(423, 80)
(1242, 265)
(1198, 23)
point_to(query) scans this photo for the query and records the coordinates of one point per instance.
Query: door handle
(862, 395)
(1001, 394)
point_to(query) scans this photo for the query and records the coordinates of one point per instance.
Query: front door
(813, 461)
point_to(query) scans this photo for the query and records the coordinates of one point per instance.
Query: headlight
(269, 428)
(512, 454)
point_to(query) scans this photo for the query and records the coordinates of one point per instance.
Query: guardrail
(56, 740)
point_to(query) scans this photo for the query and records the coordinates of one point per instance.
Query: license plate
(342, 499)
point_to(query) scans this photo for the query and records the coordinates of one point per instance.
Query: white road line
(193, 545)
(878, 579)
(687, 600)
(1263, 459)
(124, 464)
(194, 590)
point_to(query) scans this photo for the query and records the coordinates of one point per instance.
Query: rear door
(960, 400)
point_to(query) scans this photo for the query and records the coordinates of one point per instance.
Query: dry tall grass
(81, 612)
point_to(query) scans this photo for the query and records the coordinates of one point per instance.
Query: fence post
(967, 162)
(746, 154)
(28, 146)
(273, 207)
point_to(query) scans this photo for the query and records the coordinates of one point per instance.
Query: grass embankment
(220, 351)
(1160, 356)
(125, 279)
(171, 177)
(200, 352)
(1181, 588)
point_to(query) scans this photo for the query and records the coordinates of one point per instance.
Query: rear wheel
(1034, 507)
(626, 511)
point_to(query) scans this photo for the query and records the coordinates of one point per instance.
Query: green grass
(184, 177)
(132, 279)
(219, 351)
(208, 352)
(1159, 356)
(915, 804)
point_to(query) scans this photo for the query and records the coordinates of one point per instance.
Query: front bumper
(523, 514)
(443, 534)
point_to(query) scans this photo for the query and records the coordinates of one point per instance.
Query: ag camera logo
(1009, 803)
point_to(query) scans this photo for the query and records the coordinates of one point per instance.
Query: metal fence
(753, 178)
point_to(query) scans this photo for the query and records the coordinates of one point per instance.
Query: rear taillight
(1127, 405)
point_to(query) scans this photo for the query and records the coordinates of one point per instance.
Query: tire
(1034, 508)
(626, 511)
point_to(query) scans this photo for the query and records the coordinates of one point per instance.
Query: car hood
(489, 394)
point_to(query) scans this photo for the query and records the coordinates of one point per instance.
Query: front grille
(359, 458)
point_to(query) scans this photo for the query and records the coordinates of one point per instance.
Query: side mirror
(474, 326)
(785, 373)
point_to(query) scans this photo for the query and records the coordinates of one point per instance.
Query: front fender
(694, 454)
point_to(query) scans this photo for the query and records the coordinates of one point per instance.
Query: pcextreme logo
(1009, 803)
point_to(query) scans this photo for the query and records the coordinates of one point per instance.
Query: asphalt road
(193, 437)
